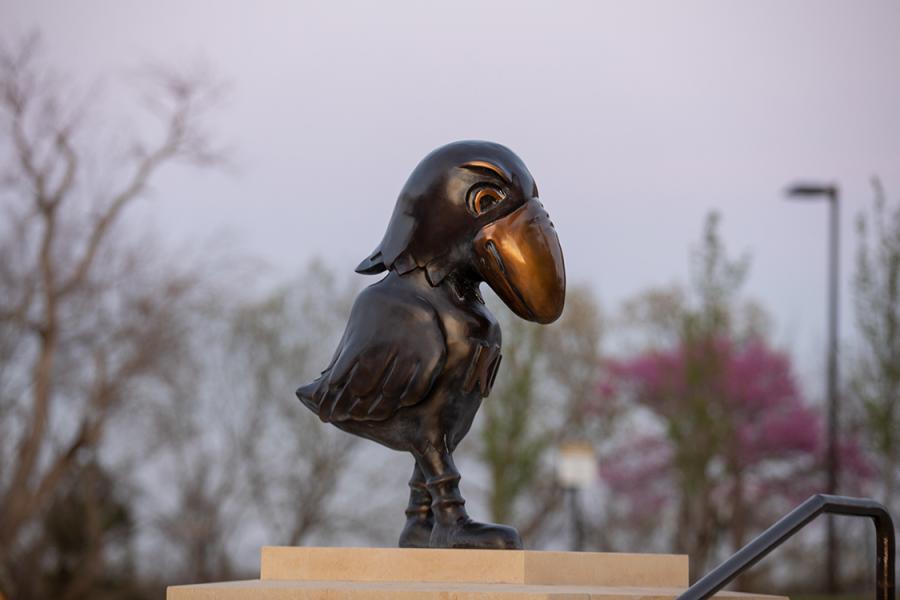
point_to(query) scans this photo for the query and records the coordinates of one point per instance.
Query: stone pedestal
(408, 574)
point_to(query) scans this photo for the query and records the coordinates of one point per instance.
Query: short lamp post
(830, 194)
(576, 470)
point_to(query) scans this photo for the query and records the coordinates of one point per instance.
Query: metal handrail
(793, 522)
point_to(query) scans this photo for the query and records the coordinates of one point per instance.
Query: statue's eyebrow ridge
(478, 165)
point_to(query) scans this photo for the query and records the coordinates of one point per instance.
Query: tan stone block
(473, 566)
(349, 590)
(414, 574)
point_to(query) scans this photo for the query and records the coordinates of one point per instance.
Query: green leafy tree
(876, 378)
(540, 399)
(87, 521)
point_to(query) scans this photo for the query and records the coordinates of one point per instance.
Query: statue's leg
(452, 526)
(419, 518)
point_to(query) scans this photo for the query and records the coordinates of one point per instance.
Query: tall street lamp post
(831, 194)
(576, 470)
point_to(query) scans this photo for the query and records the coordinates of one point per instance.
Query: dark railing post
(793, 522)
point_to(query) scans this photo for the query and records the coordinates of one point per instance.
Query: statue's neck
(461, 284)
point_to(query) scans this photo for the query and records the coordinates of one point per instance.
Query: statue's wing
(390, 355)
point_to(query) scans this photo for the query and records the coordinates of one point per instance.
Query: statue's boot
(452, 526)
(419, 518)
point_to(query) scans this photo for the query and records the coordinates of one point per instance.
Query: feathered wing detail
(390, 355)
(482, 368)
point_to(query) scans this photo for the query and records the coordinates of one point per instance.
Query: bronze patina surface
(421, 349)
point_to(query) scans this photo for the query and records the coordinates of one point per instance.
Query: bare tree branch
(50, 285)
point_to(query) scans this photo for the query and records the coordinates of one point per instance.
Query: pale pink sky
(636, 118)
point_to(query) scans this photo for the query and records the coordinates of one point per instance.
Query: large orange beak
(520, 258)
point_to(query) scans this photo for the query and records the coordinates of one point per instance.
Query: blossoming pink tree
(727, 442)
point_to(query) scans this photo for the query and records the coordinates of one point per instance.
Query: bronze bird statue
(421, 349)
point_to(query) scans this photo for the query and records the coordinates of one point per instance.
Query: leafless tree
(88, 318)
(245, 461)
(298, 462)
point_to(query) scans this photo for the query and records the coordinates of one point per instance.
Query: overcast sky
(636, 119)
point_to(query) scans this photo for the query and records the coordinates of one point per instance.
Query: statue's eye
(483, 198)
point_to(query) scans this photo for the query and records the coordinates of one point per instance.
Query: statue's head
(472, 207)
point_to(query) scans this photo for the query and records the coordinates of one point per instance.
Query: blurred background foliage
(149, 434)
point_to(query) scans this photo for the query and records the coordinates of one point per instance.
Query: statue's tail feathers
(306, 394)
